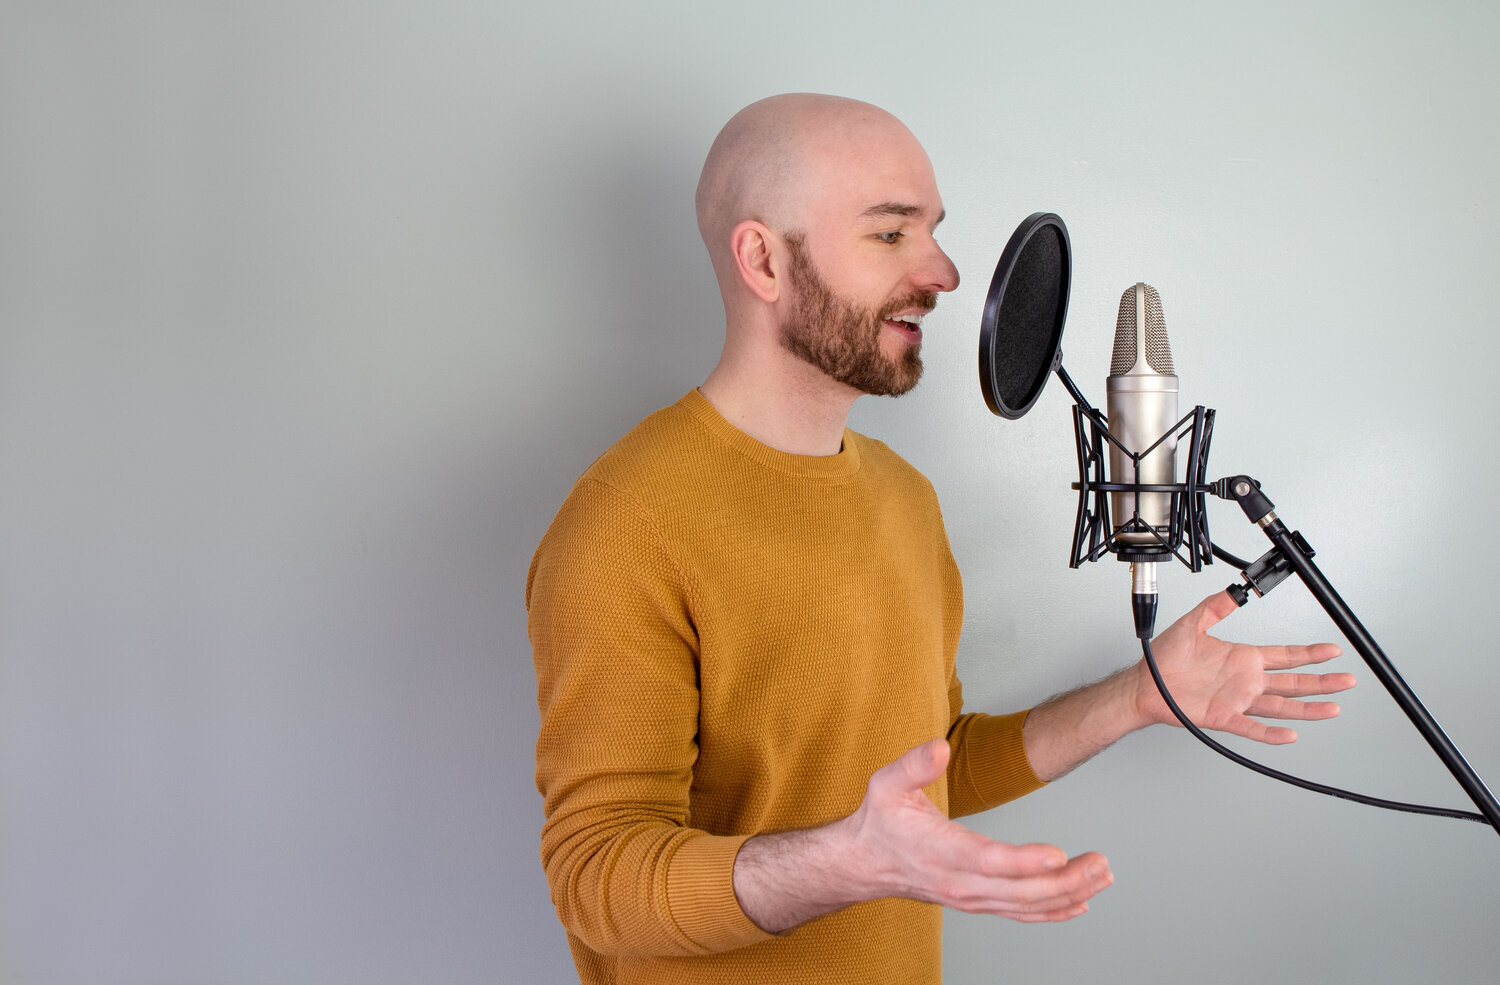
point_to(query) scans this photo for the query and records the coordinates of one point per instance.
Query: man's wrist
(786, 878)
(1063, 732)
(1150, 708)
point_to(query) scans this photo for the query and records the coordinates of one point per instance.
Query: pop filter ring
(1019, 340)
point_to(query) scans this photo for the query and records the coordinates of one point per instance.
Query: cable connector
(1144, 609)
(1143, 598)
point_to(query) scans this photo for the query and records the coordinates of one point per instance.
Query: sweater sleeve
(989, 765)
(615, 649)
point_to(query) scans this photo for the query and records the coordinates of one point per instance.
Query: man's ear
(753, 246)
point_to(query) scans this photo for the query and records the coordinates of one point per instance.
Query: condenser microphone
(1141, 400)
(1135, 514)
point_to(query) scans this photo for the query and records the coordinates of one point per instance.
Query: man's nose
(938, 272)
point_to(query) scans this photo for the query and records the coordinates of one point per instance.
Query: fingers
(1219, 605)
(1212, 610)
(1284, 657)
(1304, 685)
(1014, 861)
(1059, 894)
(1249, 728)
(915, 769)
(1272, 706)
(1276, 701)
(1035, 881)
(1055, 916)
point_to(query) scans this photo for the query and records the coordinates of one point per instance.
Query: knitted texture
(729, 640)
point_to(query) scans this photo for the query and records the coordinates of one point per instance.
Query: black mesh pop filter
(1023, 315)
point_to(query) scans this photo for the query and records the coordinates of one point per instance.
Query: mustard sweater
(729, 640)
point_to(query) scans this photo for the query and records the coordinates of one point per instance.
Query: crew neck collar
(846, 462)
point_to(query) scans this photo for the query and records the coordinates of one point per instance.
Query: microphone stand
(1292, 550)
(1093, 537)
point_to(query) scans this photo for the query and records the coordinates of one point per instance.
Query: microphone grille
(1140, 308)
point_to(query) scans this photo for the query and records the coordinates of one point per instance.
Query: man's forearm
(787, 878)
(1064, 732)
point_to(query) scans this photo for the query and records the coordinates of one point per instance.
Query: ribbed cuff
(700, 894)
(993, 765)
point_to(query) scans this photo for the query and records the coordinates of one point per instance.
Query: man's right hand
(897, 843)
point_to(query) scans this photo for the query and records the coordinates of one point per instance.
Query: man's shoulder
(665, 441)
(881, 461)
(609, 517)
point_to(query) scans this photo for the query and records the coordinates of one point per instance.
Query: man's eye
(890, 238)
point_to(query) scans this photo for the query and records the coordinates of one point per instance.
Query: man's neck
(801, 413)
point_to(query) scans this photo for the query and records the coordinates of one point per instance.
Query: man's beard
(841, 338)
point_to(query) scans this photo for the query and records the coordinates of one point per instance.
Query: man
(745, 616)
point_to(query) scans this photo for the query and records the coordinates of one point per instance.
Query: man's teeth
(913, 320)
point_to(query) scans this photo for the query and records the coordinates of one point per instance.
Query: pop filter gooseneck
(1023, 315)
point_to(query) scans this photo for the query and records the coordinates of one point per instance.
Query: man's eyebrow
(905, 210)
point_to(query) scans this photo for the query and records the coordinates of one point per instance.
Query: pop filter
(1023, 315)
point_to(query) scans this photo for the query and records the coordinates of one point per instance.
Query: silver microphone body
(1141, 402)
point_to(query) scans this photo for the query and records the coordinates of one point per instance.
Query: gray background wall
(311, 312)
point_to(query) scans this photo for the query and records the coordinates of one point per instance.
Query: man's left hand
(1220, 685)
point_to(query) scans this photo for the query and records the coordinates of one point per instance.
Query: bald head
(777, 156)
(820, 217)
